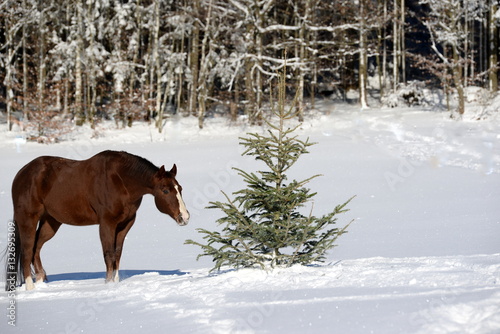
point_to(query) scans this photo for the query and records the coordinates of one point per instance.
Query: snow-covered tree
(446, 27)
(142, 59)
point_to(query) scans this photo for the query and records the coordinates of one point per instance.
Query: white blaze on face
(182, 206)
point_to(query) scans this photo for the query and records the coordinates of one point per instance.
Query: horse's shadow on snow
(124, 274)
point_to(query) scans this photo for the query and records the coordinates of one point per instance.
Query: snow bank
(386, 295)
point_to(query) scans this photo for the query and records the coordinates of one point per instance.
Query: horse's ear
(173, 171)
(161, 172)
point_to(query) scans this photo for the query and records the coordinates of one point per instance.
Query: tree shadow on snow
(124, 274)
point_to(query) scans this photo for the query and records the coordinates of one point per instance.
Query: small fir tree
(262, 225)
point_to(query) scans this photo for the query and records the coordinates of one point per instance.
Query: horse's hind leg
(26, 224)
(47, 229)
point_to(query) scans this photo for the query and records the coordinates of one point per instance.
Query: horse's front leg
(122, 231)
(107, 233)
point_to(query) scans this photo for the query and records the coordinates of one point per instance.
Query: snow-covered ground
(423, 255)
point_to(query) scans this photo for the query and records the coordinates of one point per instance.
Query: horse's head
(168, 195)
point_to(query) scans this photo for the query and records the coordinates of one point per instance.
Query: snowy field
(423, 255)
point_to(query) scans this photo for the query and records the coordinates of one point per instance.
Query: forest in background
(81, 61)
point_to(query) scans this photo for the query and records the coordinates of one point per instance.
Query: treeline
(129, 60)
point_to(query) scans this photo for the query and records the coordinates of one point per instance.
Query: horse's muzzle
(182, 220)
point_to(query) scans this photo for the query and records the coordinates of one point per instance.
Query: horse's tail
(13, 273)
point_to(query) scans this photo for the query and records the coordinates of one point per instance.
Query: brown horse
(106, 189)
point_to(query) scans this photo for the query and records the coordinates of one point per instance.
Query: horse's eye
(166, 191)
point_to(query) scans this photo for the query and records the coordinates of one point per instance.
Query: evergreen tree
(262, 225)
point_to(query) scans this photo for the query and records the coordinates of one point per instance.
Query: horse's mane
(137, 166)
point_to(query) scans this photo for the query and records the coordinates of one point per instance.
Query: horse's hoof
(29, 284)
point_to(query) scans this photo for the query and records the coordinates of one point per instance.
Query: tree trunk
(204, 64)
(384, 52)
(257, 117)
(472, 50)
(79, 112)
(303, 62)
(41, 61)
(482, 45)
(493, 61)
(92, 94)
(156, 56)
(458, 81)
(363, 57)
(194, 61)
(8, 79)
(25, 72)
(249, 82)
(381, 56)
(402, 42)
(180, 104)
(466, 46)
(395, 51)
(136, 53)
